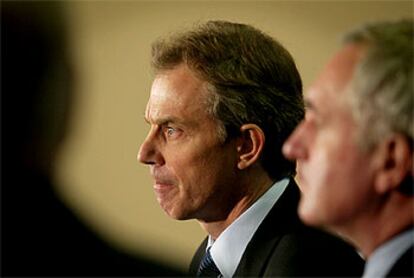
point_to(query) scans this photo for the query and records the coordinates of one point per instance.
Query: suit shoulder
(310, 252)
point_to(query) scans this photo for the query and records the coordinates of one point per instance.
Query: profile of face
(334, 174)
(194, 172)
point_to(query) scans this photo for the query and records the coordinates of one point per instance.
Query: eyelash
(169, 132)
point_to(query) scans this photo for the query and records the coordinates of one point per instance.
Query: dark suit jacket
(284, 246)
(404, 267)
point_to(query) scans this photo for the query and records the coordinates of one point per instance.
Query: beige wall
(111, 46)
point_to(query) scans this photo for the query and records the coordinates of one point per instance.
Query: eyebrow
(163, 121)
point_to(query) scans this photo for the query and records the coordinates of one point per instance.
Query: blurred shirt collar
(385, 256)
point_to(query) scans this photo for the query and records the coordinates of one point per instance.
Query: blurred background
(108, 45)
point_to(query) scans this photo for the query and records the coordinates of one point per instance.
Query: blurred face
(194, 172)
(335, 176)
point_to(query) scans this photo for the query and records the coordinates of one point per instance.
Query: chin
(308, 216)
(176, 214)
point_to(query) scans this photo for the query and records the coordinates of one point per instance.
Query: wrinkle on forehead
(177, 93)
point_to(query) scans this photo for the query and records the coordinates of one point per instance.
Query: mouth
(301, 181)
(164, 188)
(161, 187)
(300, 175)
(300, 178)
(163, 184)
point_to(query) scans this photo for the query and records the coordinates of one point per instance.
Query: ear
(250, 145)
(396, 163)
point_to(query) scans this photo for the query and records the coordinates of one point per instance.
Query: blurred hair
(251, 78)
(381, 90)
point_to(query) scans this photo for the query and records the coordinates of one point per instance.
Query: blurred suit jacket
(404, 266)
(284, 246)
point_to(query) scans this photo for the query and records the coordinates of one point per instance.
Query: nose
(149, 152)
(295, 146)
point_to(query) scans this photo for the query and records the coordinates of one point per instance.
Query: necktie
(207, 266)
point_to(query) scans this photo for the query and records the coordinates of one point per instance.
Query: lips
(300, 176)
(162, 186)
(162, 182)
(164, 192)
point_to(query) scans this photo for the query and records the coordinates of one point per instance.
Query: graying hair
(381, 91)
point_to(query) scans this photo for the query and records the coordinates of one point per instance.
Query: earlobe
(250, 145)
(396, 163)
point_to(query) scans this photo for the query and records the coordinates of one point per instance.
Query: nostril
(141, 158)
(147, 154)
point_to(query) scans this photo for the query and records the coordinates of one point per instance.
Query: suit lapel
(280, 219)
(195, 262)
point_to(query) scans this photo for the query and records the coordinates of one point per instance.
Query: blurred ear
(250, 145)
(396, 163)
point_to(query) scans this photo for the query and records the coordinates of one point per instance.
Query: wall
(100, 176)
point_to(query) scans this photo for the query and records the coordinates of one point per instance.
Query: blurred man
(355, 147)
(40, 235)
(224, 99)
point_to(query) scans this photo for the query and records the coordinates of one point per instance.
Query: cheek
(321, 173)
(205, 185)
(339, 185)
(334, 169)
(202, 172)
(318, 171)
(331, 155)
(212, 169)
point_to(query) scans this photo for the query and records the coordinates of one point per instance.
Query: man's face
(335, 176)
(194, 172)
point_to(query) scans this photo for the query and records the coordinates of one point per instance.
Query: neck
(255, 188)
(396, 216)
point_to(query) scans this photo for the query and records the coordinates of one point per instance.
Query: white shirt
(386, 255)
(229, 247)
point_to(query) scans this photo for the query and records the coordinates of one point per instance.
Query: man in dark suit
(224, 99)
(284, 247)
(355, 147)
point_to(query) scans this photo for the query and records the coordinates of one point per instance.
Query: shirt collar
(385, 256)
(229, 247)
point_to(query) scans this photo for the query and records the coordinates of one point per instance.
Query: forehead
(331, 85)
(177, 92)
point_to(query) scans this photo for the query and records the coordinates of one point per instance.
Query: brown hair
(252, 79)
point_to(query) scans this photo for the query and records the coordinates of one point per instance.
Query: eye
(171, 132)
